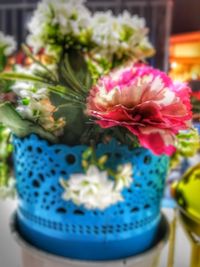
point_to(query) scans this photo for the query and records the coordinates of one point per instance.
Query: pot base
(34, 257)
(106, 247)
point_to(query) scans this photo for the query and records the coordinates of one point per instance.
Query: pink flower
(146, 102)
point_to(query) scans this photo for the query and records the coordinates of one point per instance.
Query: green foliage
(5, 155)
(47, 73)
(3, 59)
(5, 86)
(68, 91)
(94, 133)
(12, 120)
(20, 77)
(74, 73)
(188, 144)
(5, 145)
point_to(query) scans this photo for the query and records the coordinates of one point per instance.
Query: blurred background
(165, 18)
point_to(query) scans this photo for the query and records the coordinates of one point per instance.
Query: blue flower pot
(63, 228)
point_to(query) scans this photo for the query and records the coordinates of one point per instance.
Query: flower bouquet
(93, 127)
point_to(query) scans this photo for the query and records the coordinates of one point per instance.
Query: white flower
(57, 20)
(30, 104)
(34, 103)
(124, 176)
(41, 111)
(105, 32)
(123, 35)
(29, 90)
(132, 21)
(93, 190)
(8, 191)
(7, 43)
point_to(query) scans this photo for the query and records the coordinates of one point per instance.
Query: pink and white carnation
(146, 102)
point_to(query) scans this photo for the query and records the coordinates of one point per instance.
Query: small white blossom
(34, 103)
(124, 176)
(105, 33)
(7, 44)
(93, 190)
(8, 191)
(61, 19)
(29, 90)
(65, 22)
(30, 104)
(40, 111)
(122, 35)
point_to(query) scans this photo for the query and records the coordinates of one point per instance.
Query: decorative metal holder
(63, 228)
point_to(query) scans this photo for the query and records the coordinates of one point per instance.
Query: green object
(187, 146)
(3, 59)
(12, 120)
(187, 193)
(5, 154)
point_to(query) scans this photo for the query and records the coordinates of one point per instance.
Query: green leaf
(63, 91)
(74, 75)
(74, 72)
(74, 117)
(87, 153)
(21, 77)
(75, 126)
(3, 60)
(80, 68)
(66, 75)
(38, 62)
(5, 86)
(19, 126)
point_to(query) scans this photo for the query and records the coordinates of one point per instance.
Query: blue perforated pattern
(39, 167)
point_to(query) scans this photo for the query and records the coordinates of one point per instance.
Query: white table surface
(10, 252)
